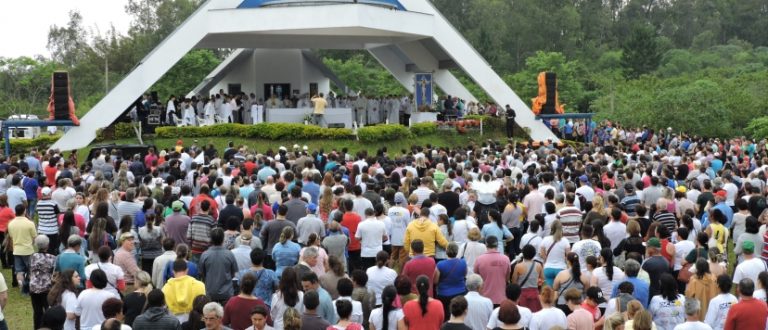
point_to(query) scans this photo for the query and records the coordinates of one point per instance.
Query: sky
(25, 24)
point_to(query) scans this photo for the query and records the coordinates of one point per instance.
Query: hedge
(422, 129)
(41, 142)
(383, 133)
(124, 130)
(489, 122)
(268, 131)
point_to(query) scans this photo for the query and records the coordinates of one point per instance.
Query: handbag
(685, 273)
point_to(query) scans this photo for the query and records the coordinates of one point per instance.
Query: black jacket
(156, 318)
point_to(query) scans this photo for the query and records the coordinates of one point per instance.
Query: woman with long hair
(101, 210)
(289, 295)
(330, 279)
(151, 237)
(326, 203)
(703, 286)
(81, 206)
(286, 252)
(425, 313)
(572, 277)
(553, 250)
(64, 293)
(344, 311)
(632, 243)
(388, 316)
(528, 274)
(667, 308)
(134, 302)
(66, 229)
(262, 204)
(598, 212)
(496, 228)
(6, 215)
(100, 237)
(549, 316)
(291, 319)
(607, 276)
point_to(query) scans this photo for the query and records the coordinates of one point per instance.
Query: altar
(423, 117)
(333, 116)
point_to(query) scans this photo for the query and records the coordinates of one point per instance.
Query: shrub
(267, 131)
(383, 133)
(489, 123)
(41, 142)
(758, 128)
(422, 129)
(124, 131)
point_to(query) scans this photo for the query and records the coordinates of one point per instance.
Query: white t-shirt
(556, 256)
(585, 248)
(697, 325)
(435, 211)
(604, 283)
(69, 302)
(89, 307)
(357, 309)
(461, 229)
(615, 231)
(546, 319)
(718, 309)
(114, 274)
(667, 314)
(681, 251)
(400, 219)
(759, 294)
(749, 269)
(370, 232)
(378, 279)
(376, 319)
(525, 317)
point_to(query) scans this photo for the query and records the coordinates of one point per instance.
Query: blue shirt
(326, 310)
(285, 255)
(727, 211)
(312, 189)
(641, 290)
(30, 188)
(191, 271)
(491, 229)
(266, 282)
(452, 275)
(71, 260)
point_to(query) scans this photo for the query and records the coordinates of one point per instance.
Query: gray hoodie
(156, 318)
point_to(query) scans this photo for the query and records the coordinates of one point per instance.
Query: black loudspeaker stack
(61, 96)
(550, 81)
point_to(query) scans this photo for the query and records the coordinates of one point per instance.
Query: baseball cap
(584, 178)
(312, 207)
(654, 242)
(748, 246)
(629, 187)
(596, 294)
(46, 191)
(721, 193)
(177, 206)
(400, 198)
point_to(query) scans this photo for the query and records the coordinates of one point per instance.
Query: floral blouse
(41, 272)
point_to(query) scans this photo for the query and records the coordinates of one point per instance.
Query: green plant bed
(41, 142)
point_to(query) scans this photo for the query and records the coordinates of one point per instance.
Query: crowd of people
(626, 233)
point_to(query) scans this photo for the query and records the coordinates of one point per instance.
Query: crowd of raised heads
(658, 231)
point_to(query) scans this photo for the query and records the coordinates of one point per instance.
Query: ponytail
(150, 220)
(496, 216)
(608, 260)
(422, 286)
(286, 234)
(573, 258)
(387, 304)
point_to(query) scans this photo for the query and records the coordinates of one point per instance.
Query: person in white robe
(218, 105)
(210, 113)
(189, 115)
(372, 110)
(232, 108)
(256, 113)
(394, 111)
(170, 111)
(360, 104)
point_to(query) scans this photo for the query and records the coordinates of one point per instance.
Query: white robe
(226, 112)
(189, 116)
(360, 105)
(210, 113)
(256, 113)
(170, 110)
(394, 111)
(373, 111)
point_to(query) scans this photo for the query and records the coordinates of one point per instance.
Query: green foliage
(758, 128)
(570, 78)
(422, 129)
(489, 123)
(362, 73)
(124, 130)
(25, 85)
(187, 73)
(41, 142)
(269, 131)
(383, 133)
(640, 53)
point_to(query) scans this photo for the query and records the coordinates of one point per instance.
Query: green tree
(640, 53)
(25, 85)
(187, 73)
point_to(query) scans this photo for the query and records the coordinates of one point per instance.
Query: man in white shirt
(751, 267)
(513, 293)
(360, 203)
(161, 262)
(400, 218)
(436, 209)
(585, 190)
(615, 230)
(16, 195)
(345, 287)
(480, 308)
(692, 307)
(89, 302)
(719, 306)
(372, 233)
(423, 192)
(586, 246)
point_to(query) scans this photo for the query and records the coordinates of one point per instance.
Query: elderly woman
(451, 274)
(41, 267)
(124, 257)
(472, 249)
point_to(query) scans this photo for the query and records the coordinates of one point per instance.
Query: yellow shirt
(23, 233)
(180, 292)
(428, 232)
(320, 104)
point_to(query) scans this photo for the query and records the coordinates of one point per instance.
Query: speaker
(61, 95)
(155, 98)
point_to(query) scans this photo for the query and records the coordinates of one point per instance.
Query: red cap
(721, 193)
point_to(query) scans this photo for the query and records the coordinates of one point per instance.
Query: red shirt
(748, 313)
(592, 310)
(495, 269)
(237, 312)
(266, 211)
(249, 167)
(148, 159)
(195, 206)
(420, 265)
(50, 176)
(6, 215)
(429, 321)
(351, 220)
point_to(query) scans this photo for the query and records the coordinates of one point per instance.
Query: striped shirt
(570, 218)
(629, 203)
(199, 232)
(47, 223)
(666, 219)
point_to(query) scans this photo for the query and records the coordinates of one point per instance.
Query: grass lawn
(448, 138)
(18, 310)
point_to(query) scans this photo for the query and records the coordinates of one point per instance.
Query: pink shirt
(127, 262)
(494, 268)
(580, 319)
(534, 203)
